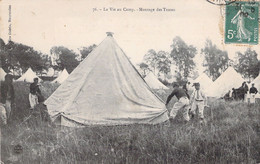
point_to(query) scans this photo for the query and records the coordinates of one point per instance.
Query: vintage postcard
(129, 81)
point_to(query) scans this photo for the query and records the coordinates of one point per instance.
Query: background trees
(144, 68)
(16, 56)
(151, 58)
(66, 58)
(183, 54)
(215, 60)
(181, 58)
(247, 64)
(84, 51)
(157, 62)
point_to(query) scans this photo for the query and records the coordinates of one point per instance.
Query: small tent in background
(153, 82)
(2, 74)
(105, 89)
(28, 76)
(256, 81)
(224, 83)
(62, 77)
(204, 81)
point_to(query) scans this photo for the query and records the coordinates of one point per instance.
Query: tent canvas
(105, 89)
(225, 82)
(28, 76)
(256, 81)
(204, 81)
(62, 77)
(2, 74)
(153, 82)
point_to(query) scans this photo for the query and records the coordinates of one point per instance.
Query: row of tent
(29, 75)
(229, 79)
(113, 93)
(225, 82)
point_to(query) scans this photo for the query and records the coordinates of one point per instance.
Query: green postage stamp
(242, 24)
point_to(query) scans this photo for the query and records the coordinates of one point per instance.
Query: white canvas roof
(28, 76)
(225, 82)
(204, 81)
(256, 81)
(105, 89)
(62, 77)
(153, 82)
(2, 74)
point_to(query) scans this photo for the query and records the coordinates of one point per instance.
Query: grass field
(230, 135)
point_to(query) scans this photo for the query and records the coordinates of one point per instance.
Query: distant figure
(198, 102)
(182, 103)
(7, 94)
(253, 91)
(185, 87)
(240, 93)
(228, 96)
(34, 93)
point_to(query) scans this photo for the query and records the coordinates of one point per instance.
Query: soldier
(7, 94)
(34, 93)
(253, 91)
(181, 104)
(198, 101)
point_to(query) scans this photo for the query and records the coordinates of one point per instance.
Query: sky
(73, 24)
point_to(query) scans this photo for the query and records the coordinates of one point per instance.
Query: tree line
(16, 57)
(181, 60)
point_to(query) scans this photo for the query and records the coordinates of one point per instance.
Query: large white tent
(226, 81)
(105, 89)
(2, 74)
(28, 76)
(204, 81)
(153, 82)
(62, 77)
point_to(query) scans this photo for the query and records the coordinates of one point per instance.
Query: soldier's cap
(196, 84)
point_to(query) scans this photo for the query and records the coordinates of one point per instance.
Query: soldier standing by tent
(181, 104)
(34, 93)
(7, 94)
(198, 101)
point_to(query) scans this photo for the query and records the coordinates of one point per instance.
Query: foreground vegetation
(230, 135)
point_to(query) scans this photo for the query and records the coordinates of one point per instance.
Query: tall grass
(230, 135)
